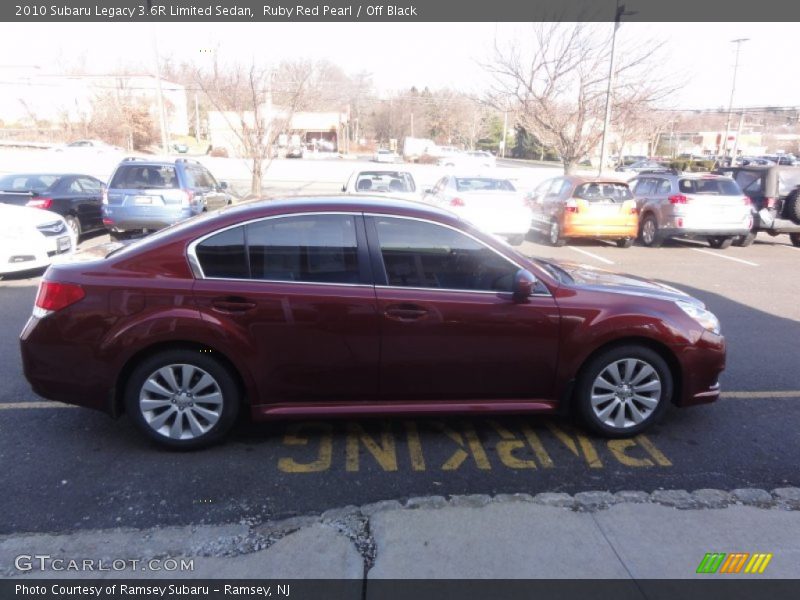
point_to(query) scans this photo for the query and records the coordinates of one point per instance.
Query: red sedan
(340, 306)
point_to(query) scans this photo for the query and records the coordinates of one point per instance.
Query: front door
(449, 326)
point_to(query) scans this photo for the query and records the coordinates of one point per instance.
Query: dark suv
(146, 195)
(775, 192)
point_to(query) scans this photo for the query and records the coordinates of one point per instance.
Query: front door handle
(232, 304)
(405, 312)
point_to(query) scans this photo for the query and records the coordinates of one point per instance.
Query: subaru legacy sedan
(341, 307)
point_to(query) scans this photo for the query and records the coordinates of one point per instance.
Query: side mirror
(223, 185)
(524, 284)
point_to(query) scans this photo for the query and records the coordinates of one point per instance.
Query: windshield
(385, 182)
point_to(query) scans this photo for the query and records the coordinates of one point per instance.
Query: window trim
(361, 250)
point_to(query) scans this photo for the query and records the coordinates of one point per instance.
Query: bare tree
(556, 84)
(243, 95)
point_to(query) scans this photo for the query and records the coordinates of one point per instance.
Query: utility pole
(412, 124)
(160, 95)
(738, 43)
(505, 132)
(620, 12)
(736, 140)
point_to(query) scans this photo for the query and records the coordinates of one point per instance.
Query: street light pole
(738, 43)
(620, 12)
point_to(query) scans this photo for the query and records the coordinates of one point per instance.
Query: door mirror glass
(524, 284)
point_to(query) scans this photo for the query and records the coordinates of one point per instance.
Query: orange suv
(584, 207)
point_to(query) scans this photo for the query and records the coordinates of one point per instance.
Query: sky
(700, 55)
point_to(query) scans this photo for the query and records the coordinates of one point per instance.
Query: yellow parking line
(726, 395)
(40, 404)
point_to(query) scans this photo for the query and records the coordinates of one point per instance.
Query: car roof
(578, 179)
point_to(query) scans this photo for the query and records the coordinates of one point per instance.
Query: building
(30, 97)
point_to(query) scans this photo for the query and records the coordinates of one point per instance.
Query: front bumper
(701, 365)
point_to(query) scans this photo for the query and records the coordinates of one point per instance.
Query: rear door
(297, 299)
(91, 202)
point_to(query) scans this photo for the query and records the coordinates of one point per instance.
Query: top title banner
(402, 10)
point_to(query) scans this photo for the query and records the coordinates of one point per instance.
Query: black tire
(744, 240)
(74, 225)
(795, 238)
(516, 240)
(230, 398)
(792, 204)
(625, 243)
(554, 235)
(720, 243)
(650, 238)
(591, 371)
(117, 236)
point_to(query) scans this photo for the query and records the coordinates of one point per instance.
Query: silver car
(695, 205)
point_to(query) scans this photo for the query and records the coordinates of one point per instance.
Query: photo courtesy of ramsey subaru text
(343, 306)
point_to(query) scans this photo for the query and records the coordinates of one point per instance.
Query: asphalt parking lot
(70, 468)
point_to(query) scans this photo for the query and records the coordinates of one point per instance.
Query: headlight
(704, 317)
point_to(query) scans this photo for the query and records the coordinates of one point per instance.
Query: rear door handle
(405, 312)
(232, 304)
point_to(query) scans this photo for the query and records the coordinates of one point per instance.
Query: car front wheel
(624, 390)
(182, 398)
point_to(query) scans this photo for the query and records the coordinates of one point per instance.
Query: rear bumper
(124, 218)
(729, 231)
(600, 230)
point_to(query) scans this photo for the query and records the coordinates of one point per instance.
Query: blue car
(146, 195)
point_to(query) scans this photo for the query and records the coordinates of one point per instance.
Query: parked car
(774, 191)
(343, 306)
(31, 238)
(87, 146)
(78, 198)
(584, 207)
(639, 166)
(147, 195)
(398, 184)
(477, 159)
(295, 148)
(690, 205)
(382, 155)
(491, 203)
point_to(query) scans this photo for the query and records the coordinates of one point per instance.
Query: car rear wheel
(625, 243)
(182, 399)
(744, 240)
(74, 225)
(720, 243)
(624, 390)
(793, 206)
(795, 237)
(649, 232)
(554, 235)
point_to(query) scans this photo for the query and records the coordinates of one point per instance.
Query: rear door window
(749, 182)
(644, 186)
(664, 187)
(309, 248)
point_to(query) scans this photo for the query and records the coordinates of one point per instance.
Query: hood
(591, 278)
(12, 216)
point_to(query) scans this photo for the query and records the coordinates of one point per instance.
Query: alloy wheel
(648, 231)
(555, 232)
(181, 401)
(626, 393)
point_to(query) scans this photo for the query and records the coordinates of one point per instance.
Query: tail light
(188, 198)
(770, 202)
(457, 202)
(678, 199)
(571, 206)
(107, 221)
(44, 203)
(54, 296)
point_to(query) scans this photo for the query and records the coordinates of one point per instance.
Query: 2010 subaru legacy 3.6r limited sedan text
(340, 306)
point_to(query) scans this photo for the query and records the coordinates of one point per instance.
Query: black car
(775, 193)
(78, 198)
